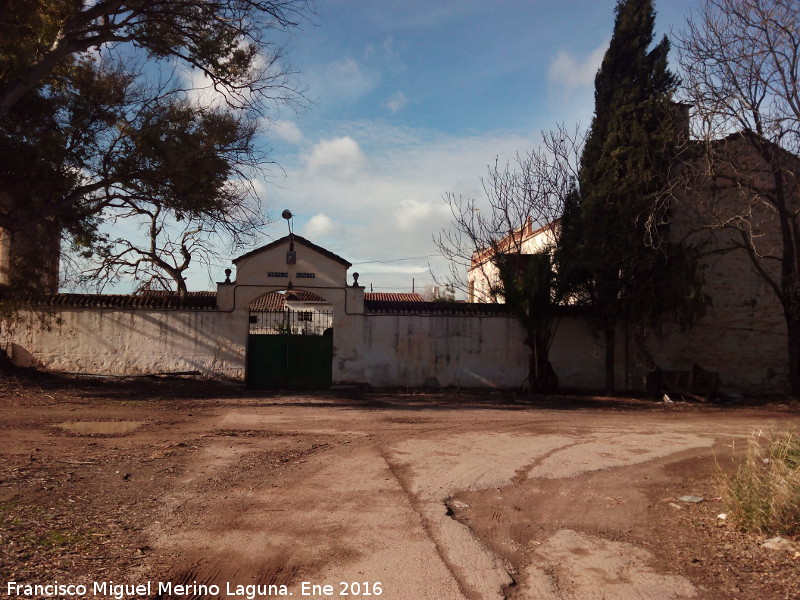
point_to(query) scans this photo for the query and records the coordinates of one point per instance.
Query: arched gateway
(290, 341)
(293, 296)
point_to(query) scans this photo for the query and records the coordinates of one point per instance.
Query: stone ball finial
(355, 279)
(228, 275)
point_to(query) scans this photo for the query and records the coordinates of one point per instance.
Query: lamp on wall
(291, 256)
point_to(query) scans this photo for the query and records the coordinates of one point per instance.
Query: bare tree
(506, 239)
(530, 190)
(741, 63)
(168, 247)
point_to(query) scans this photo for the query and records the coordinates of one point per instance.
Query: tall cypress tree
(615, 248)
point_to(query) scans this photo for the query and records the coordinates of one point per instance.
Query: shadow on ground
(171, 388)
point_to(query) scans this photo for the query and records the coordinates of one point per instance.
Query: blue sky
(412, 99)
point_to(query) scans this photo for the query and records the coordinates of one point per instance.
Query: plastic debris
(667, 399)
(778, 543)
(692, 499)
(722, 516)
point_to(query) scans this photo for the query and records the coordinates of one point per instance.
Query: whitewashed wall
(400, 349)
(377, 349)
(438, 350)
(130, 342)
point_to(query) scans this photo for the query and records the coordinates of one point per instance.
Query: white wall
(389, 349)
(438, 350)
(130, 342)
(377, 350)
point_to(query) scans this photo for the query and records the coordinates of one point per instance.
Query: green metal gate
(290, 349)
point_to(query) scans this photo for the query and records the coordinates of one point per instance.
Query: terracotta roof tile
(304, 296)
(170, 294)
(276, 301)
(384, 297)
(454, 308)
(192, 300)
(273, 302)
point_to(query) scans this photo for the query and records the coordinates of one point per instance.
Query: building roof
(276, 301)
(299, 240)
(438, 308)
(192, 300)
(512, 241)
(386, 297)
(375, 303)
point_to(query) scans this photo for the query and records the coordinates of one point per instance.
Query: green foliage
(614, 249)
(224, 39)
(763, 494)
(95, 127)
(60, 538)
(96, 145)
(27, 29)
(526, 283)
(48, 142)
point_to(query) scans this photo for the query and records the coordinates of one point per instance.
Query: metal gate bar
(291, 322)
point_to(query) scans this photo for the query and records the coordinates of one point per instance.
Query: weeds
(763, 495)
(59, 538)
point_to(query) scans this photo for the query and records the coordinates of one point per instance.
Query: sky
(412, 99)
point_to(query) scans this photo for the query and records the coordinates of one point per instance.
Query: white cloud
(288, 131)
(568, 73)
(395, 102)
(412, 214)
(390, 204)
(319, 226)
(381, 49)
(202, 91)
(340, 158)
(342, 80)
(259, 187)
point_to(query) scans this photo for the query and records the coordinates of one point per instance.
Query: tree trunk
(542, 378)
(609, 332)
(793, 340)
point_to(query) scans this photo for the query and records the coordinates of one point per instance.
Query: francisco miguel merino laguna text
(119, 591)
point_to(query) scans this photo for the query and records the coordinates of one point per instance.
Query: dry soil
(397, 496)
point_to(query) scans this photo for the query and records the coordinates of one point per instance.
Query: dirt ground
(113, 484)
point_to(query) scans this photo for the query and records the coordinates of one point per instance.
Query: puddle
(100, 427)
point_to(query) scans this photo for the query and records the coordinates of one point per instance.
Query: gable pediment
(273, 265)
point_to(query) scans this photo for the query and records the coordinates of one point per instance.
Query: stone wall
(743, 334)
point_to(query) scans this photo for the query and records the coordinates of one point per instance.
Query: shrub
(763, 495)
